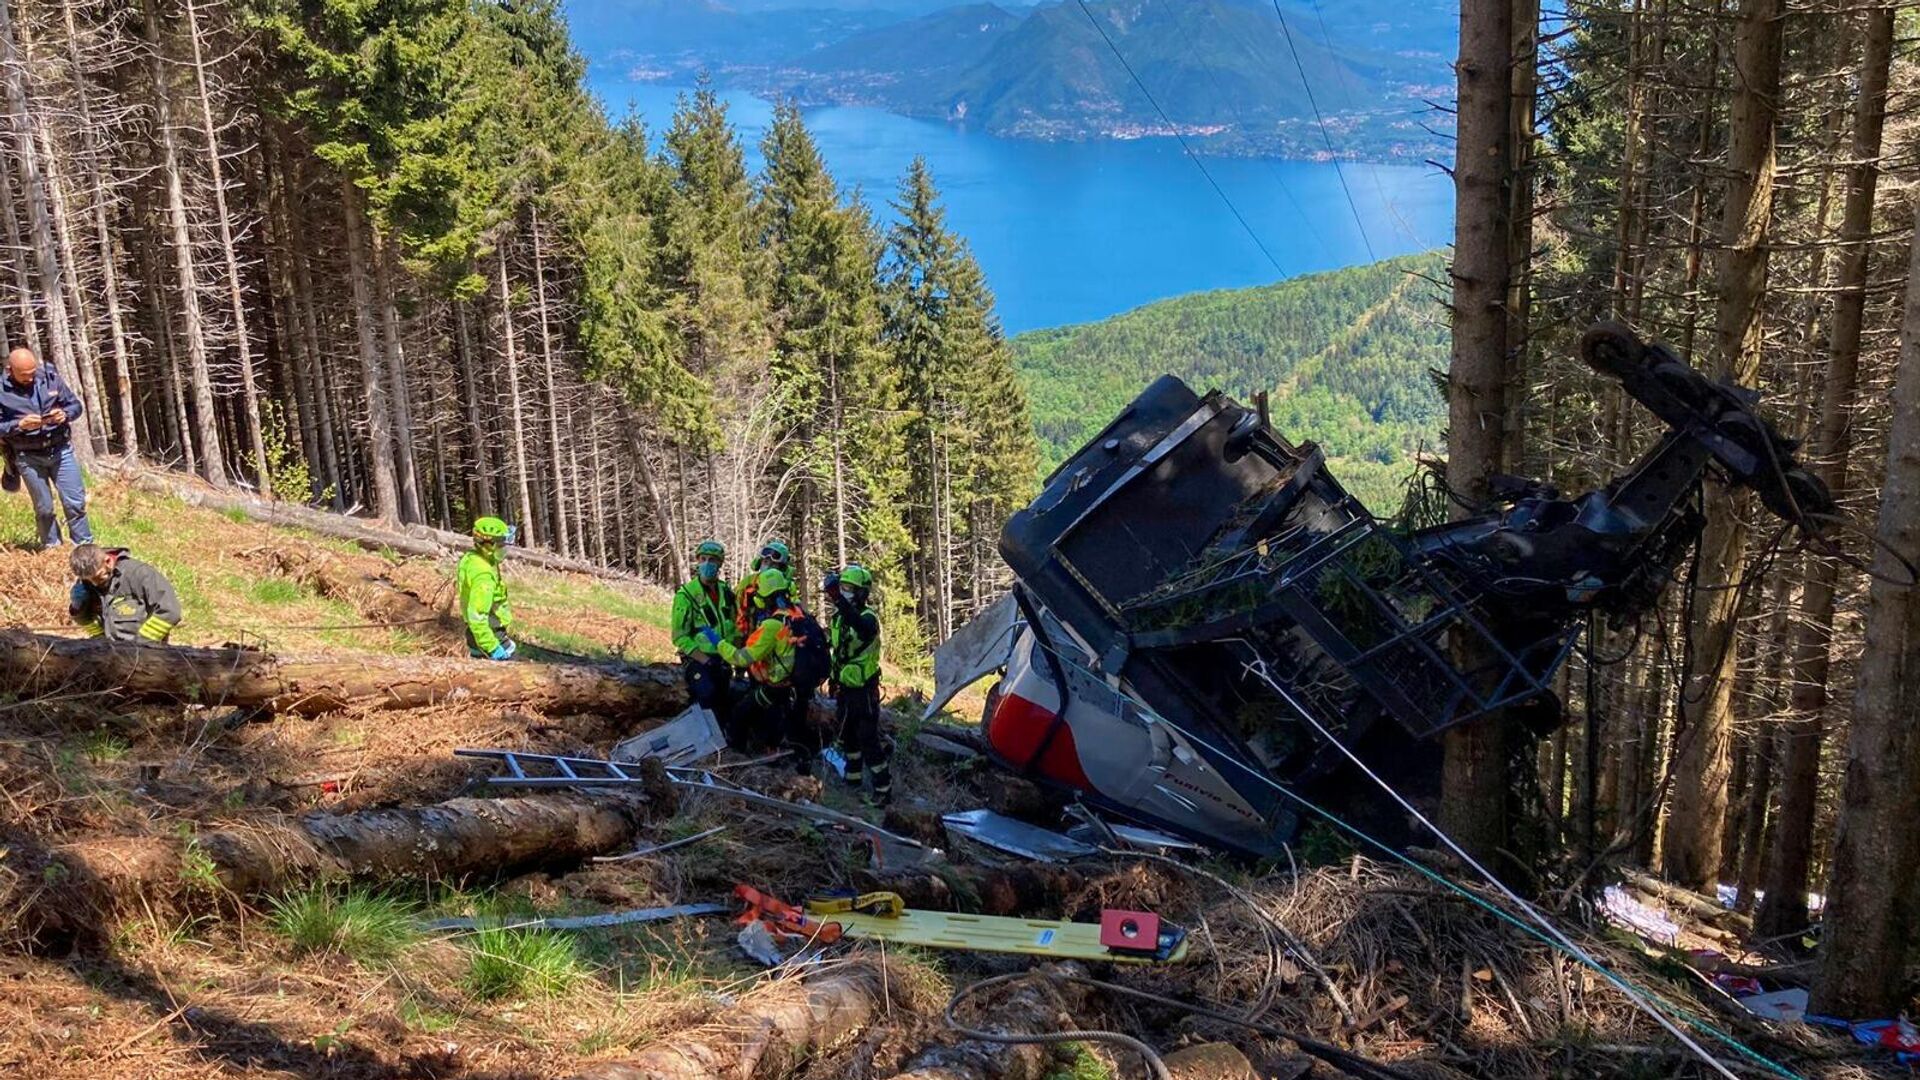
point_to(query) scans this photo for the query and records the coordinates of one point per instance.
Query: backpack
(811, 659)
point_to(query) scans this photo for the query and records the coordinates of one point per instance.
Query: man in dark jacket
(120, 598)
(37, 411)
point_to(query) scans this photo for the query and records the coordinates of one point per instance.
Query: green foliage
(363, 926)
(1344, 355)
(520, 964)
(103, 747)
(198, 872)
(1084, 1065)
(276, 590)
(287, 470)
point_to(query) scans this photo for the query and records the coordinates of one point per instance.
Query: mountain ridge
(1346, 354)
(1222, 73)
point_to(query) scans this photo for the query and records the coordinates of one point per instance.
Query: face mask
(708, 571)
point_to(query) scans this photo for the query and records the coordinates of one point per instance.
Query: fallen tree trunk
(769, 1034)
(1704, 908)
(375, 597)
(37, 664)
(456, 839)
(406, 539)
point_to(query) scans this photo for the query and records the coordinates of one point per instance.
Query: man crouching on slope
(120, 598)
(483, 593)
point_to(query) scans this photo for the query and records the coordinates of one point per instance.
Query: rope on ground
(1155, 1066)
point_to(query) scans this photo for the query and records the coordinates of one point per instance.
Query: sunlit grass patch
(361, 925)
(520, 964)
(276, 590)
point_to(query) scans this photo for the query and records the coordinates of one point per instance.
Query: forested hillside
(1349, 358)
(393, 258)
(1230, 73)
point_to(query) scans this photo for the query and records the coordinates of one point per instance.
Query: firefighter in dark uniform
(120, 598)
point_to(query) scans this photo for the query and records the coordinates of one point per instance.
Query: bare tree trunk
(676, 558)
(386, 492)
(476, 431)
(84, 371)
(242, 335)
(212, 457)
(17, 247)
(516, 417)
(1474, 776)
(562, 536)
(103, 238)
(1692, 852)
(1870, 919)
(39, 210)
(595, 502)
(406, 475)
(1783, 910)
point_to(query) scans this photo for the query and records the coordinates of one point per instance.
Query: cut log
(771, 1033)
(38, 664)
(449, 841)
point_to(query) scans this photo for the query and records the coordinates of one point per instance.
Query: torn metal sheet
(1016, 837)
(975, 651)
(1133, 836)
(691, 737)
(581, 922)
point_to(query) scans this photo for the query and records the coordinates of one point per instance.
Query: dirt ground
(190, 980)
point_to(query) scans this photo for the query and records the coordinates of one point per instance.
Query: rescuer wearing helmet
(853, 645)
(703, 621)
(775, 554)
(483, 593)
(774, 710)
(120, 598)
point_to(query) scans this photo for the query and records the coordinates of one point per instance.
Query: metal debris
(1015, 837)
(691, 737)
(581, 922)
(655, 849)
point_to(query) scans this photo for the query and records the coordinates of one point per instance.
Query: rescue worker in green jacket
(483, 593)
(775, 554)
(853, 644)
(703, 621)
(120, 598)
(772, 712)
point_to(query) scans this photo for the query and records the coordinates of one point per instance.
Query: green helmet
(775, 553)
(856, 576)
(492, 528)
(712, 548)
(772, 582)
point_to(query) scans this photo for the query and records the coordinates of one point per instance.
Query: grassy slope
(214, 562)
(1346, 355)
(326, 980)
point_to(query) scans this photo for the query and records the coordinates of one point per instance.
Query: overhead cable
(1185, 148)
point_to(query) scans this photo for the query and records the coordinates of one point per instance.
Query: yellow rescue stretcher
(1123, 937)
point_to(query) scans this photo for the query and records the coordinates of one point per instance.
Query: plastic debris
(1620, 908)
(1785, 1005)
(835, 760)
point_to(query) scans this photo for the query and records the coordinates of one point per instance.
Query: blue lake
(1070, 232)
